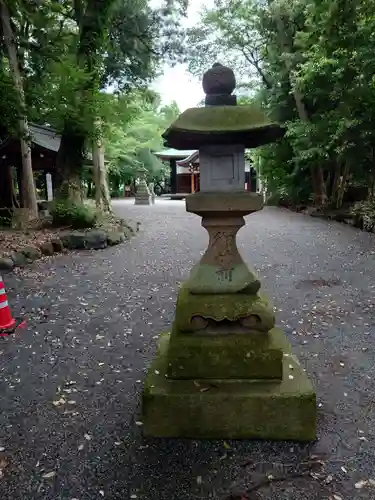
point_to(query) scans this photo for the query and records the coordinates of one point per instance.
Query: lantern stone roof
(197, 127)
(221, 121)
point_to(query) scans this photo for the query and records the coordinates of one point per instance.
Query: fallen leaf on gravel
(344, 470)
(49, 475)
(361, 484)
(3, 465)
(139, 423)
(80, 447)
(335, 497)
(133, 496)
(59, 402)
(204, 389)
(328, 479)
(88, 437)
(101, 492)
(199, 480)
(2, 448)
(226, 445)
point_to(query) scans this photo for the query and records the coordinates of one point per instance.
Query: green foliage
(9, 108)
(133, 129)
(69, 53)
(312, 65)
(73, 215)
(364, 214)
(5, 218)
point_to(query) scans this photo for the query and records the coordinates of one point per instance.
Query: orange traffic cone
(6, 320)
(8, 324)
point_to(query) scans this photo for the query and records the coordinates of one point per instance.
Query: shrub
(77, 216)
(364, 214)
(5, 217)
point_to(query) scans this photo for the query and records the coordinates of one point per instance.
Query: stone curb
(92, 239)
(344, 217)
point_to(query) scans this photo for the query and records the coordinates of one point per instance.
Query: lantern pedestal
(224, 370)
(142, 196)
(229, 408)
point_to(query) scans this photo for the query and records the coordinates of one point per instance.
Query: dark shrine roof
(193, 158)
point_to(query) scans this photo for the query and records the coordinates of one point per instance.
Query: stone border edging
(92, 239)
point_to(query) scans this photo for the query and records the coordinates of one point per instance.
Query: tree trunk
(335, 184)
(102, 197)
(69, 166)
(320, 194)
(372, 175)
(89, 189)
(7, 195)
(341, 190)
(28, 184)
(92, 22)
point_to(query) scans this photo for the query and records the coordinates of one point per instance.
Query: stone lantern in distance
(142, 196)
(224, 370)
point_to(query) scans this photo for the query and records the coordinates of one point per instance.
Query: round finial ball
(219, 80)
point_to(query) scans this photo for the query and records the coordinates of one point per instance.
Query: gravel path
(93, 318)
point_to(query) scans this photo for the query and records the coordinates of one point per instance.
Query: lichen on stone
(222, 118)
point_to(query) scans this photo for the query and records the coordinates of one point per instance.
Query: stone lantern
(142, 196)
(225, 370)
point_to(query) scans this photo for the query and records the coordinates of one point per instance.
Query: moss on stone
(240, 356)
(221, 118)
(221, 307)
(206, 279)
(228, 409)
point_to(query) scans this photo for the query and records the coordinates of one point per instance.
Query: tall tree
(120, 43)
(92, 18)
(314, 71)
(28, 184)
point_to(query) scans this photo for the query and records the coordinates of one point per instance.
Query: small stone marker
(152, 192)
(49, 187)
(225, 370)
(142, 196)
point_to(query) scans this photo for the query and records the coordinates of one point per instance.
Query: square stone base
(229, 409)
(235, 356)
(144, 200)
